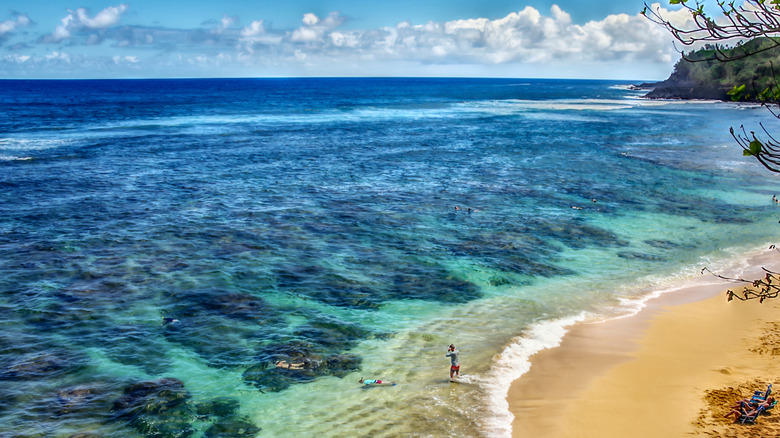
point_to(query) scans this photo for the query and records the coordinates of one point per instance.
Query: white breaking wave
(12, 158)
(513, 362)
(30, 144)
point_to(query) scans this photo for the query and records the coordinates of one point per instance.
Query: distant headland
(701, 75)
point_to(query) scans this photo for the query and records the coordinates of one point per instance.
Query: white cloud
(306, 35)
(315, 30)
(345, 39)
(125, 59)
(224, 24)
(310, 19)
(58, 56)
(105, 18)
(228, 21)
(16, 59)
(527, 37)
(79, 20)
(60, 33)
(255, 29)
(255, 34)
(9, 26)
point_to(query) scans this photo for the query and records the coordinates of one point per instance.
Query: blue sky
(602, 39)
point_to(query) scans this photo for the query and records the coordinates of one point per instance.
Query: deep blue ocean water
(353, 227)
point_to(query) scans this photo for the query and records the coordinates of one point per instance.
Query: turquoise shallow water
(315, 221)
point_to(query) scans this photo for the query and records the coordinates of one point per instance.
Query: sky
(593, 39)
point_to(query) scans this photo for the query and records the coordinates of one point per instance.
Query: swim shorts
(455, 368)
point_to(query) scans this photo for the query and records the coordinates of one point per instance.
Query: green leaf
(754, 148)
(736, 92)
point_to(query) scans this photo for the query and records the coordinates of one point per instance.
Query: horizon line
(325, 77)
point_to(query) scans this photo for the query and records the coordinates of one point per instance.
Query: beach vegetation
(738, 46)
(760, 289)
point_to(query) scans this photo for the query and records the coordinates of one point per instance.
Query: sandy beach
(670, 371)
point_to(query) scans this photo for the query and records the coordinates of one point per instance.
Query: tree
(756, 20)
(754, 27)
(752, 19)
(763, 288)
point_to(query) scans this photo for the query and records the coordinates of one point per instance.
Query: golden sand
(671, 371)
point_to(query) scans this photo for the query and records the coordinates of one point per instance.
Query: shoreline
(648, 374)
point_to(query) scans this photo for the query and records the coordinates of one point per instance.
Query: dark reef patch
(303, 361)
(232, 428)
(156, 408)
(223, 327)
(662, 244)
(635, 255)
(218, 341)
(220, 407)
(42, 365)
(135, 345)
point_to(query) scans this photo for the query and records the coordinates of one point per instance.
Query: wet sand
(670, 371)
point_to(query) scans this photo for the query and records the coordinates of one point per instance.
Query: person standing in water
(453, 354)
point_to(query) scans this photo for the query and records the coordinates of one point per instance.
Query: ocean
(164, 243)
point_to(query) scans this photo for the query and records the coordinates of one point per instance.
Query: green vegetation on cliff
(699, 74)
(759, 71)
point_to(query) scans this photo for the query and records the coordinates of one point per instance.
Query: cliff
(699, 76)
(680, 87)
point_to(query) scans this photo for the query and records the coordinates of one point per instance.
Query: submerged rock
(275, 379)
(340, 365)
(156, 408)
(151, 396)
(332, 334)
(136, 345)
(221, 407)
(239, 305)
(234, 305)
(662, 244)
(88, 397)
(327, 286)
(232, 428)
(219, 342)
(157, 427)
(432, 284)
(302, 362)
(224, 328)
(634, 255)
(267, 379)
(43, 365)
(291, 351)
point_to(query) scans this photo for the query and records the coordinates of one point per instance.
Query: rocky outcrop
(665, 90)
(679, 86)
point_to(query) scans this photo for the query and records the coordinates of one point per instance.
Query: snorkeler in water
(371, 382)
